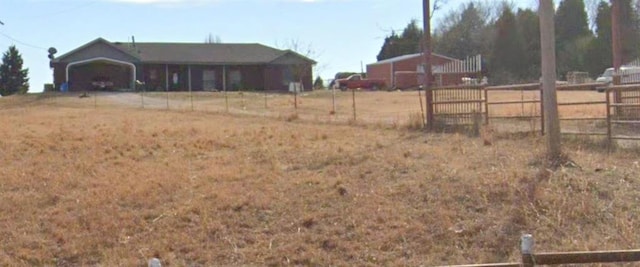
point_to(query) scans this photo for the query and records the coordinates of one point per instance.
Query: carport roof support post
(166, 77)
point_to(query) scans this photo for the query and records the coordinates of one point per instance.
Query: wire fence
(513, 108)
(389, 109)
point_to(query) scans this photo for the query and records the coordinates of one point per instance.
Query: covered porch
(199, 77)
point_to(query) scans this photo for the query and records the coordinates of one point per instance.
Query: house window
(235, 79)
(209, 80)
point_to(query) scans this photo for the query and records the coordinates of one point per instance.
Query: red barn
(406, 71)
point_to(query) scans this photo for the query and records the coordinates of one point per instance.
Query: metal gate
(623, 112)
(459, 105)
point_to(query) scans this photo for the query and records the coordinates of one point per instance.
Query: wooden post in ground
(244, 105)
(265, 99)
(548, 48)
(226, 101)
(421, 108)
(353, 96)
(426, 12)
(167, 98)
(333, 99)
(486, 105)
(295, 99)
(607, 92)
(541, 110)
(190, 93)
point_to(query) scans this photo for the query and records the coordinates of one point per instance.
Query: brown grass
(116, 186)
(390, 108)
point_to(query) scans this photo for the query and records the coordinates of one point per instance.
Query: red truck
(356, 81)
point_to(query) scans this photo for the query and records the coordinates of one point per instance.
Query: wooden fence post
(526, 249)
(607, 93)
(190, 94)
(424, 121)
(265, 99)
(486, 105)
(295, 99)
(244, 105)
(354, 104)
(226, 101)
(333, 99)
(541, 110)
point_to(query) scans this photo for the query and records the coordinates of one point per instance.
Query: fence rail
(511, 107)
(531, 258)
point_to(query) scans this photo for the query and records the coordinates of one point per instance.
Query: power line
(21, 42)
(48, 15)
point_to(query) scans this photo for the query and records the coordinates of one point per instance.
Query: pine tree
(318, 83)
(529, 26)
(571, 21)
(13, 79)
(572, 36)
(508, 52)
(599, 54)
(406, 43)
(629, 31)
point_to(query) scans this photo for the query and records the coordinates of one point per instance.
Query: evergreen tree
(571, 21)
(629, 31)
(508, 50)
(13, 79)
(529, 26)
(406, 43)
(600, 52)
(318, 83)
(572, 36)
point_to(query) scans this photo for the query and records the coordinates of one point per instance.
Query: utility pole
(426, 12)
(547, 44)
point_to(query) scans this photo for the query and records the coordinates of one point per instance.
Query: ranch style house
(105, 65)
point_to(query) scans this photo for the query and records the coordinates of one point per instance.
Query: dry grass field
(115, 186)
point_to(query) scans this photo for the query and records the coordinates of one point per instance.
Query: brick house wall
(402, 73)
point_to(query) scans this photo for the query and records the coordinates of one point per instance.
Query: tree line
(509, 38)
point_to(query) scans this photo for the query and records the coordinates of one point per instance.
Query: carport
(100, 73)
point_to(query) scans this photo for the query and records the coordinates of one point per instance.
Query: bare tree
(301, 71)
(211, 39)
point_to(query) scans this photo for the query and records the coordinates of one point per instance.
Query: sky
(343, 35)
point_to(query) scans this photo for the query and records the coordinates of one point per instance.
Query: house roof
(409, 56)
(198, 53)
